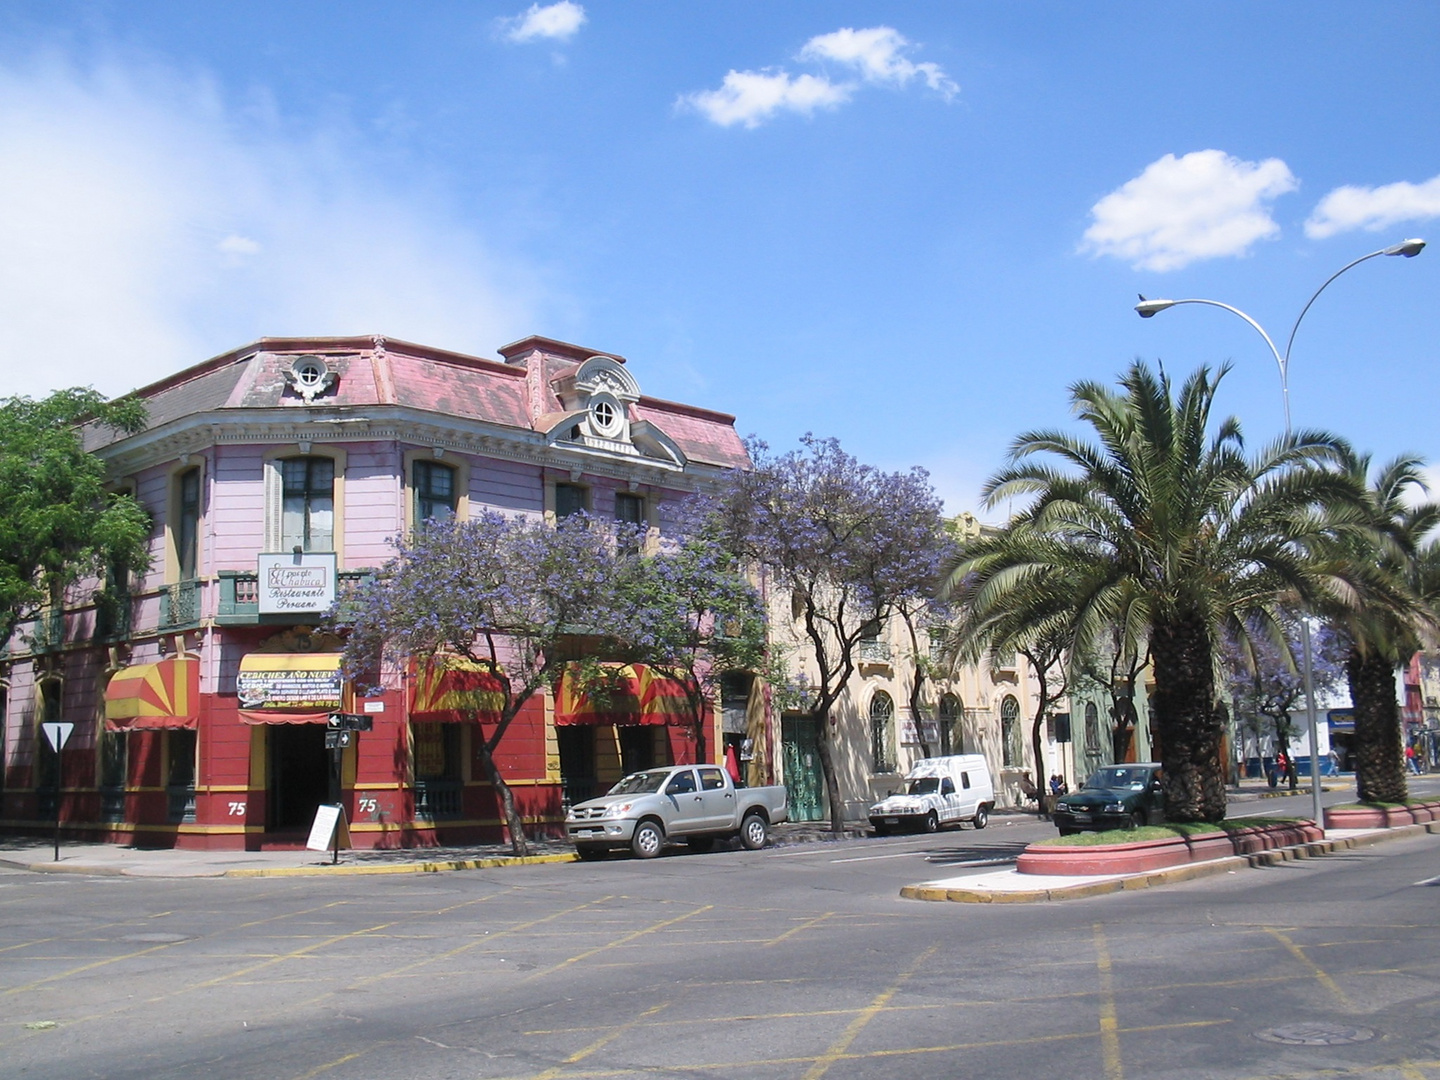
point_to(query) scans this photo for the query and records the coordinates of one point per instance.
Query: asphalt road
(791, 963)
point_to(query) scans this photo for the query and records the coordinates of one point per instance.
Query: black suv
(1115, 797)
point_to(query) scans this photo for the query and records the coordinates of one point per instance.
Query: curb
(400, 868)
(1272, 857)
(56, 868)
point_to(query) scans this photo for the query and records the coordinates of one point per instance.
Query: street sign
(338, 739)
(58, 734)
(340, 721)
(329, 828)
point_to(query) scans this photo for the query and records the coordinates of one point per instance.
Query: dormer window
(605, 417)
(309, 377)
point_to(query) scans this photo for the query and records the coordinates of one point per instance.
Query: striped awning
(455, 689)
(638, 696)
(147, 697)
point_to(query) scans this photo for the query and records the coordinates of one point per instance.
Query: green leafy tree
(1386, 627)
(1166, 528)
(58, 523)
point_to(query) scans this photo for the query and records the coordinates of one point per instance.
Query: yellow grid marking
(602, 1042)
(796, 929)
(1109, 1037)
(841, 1045)
(1315, 969)
(620, 941)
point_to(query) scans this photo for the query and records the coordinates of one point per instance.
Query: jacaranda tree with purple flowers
(503, 592)
(689, 613)
(848, 543)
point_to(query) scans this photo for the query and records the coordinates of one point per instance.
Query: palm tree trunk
(1190, 733)
(1379, 745)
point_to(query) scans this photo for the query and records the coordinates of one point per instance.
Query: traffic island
(1013, 887)
(1381, 815)
(1072, 857)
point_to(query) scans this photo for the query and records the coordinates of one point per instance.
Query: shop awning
(639, 696)
(146, 697)
(455, 689)
(289, 688)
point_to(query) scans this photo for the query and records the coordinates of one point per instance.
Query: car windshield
(923, 785)
(1118, 778)
(641, 783)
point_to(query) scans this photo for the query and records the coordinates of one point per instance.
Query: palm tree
(1384, 630)
(1171, 532)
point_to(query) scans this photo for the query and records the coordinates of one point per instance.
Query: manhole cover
(1315, 1034)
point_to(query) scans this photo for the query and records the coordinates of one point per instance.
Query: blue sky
(910, 226)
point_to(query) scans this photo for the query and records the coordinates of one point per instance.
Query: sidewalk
(36, 854)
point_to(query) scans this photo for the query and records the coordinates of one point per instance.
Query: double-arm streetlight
(1148, 308)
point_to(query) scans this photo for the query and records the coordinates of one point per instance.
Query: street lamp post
(1148, 309)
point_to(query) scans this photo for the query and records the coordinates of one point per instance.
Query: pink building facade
(276, 477)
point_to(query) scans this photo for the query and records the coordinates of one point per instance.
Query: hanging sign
(296, 583)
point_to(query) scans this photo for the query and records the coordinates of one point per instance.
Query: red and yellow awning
(455, 689)
(639, 696)
(146, 697)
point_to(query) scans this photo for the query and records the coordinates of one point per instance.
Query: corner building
(276, 477)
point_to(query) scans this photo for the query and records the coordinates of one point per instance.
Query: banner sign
(296, 583)
(290, 681)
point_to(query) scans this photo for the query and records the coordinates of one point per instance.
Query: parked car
(938, 791)
(694, 803)
(1115, 797)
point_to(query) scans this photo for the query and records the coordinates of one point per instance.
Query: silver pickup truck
(694, 803)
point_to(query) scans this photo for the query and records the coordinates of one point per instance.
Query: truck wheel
(932, 822)
(981, 818)
(700, 844)
(754, 832)
(647, 841)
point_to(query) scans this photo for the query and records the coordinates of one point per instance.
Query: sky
(909, 226)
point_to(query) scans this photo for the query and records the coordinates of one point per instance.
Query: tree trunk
(827, 766)
(1190, 734)
(1379, 745)
(518, 843)
(1282, 740)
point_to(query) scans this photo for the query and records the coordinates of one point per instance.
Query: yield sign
(58, 734)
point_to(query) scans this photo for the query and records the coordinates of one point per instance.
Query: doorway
(804, 778)
(299, 778)
(576, 744)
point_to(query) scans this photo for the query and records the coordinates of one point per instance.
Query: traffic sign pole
(57, 734)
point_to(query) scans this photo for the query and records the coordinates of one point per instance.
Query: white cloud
(238, 245)
(1204, 205)
(876, 56)
(557, 22)
(1373, 209)
(147, 226)
(877, 53)
(752, 97)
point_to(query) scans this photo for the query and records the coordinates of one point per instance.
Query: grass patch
(1163, 832)
(1409, 802)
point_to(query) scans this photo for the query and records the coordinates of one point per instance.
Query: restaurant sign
(296, 583)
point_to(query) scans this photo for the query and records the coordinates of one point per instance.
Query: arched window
(882, 732)
(1010, 731)
(952, 738)
(1092, 730)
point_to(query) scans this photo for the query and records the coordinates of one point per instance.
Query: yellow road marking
(1315, 969)
(841, 1045)
(1109, 1037)
(604, 1041)
(621, 941)
(88, 967)
(796, 929)
(332, 1064)
(292, 955)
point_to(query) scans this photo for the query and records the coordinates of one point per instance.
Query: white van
(938, 791)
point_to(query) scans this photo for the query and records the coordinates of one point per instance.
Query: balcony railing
(179, 605)
(113, 617)
(47, 633)
(240, 595)
(438, 800)
(874, 651)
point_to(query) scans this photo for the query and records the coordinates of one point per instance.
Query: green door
(804, 780)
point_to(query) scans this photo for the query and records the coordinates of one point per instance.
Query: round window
(308, 371)
(605, 417)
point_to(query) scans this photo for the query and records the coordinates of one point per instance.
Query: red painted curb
(1108, 859)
